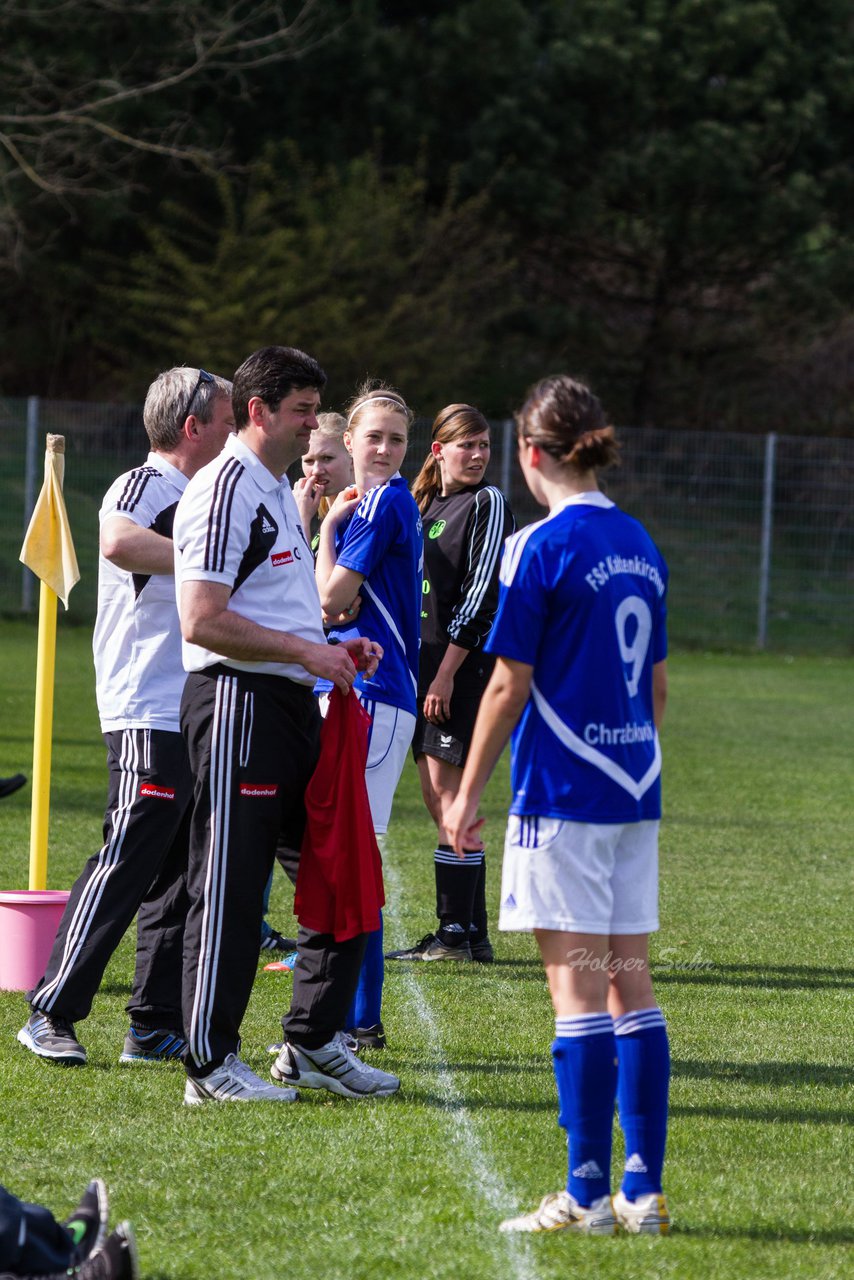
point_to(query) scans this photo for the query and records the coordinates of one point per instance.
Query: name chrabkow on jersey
(603, 735)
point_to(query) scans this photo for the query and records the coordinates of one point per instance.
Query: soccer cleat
(87, 1225)
(53, 1038)
(648, 1215)
(561, 1212)
(233, 1082)
(275, 941)
(367, 1037)
(153, 1046)
(334, 1066)
(432, 947)
(116, 1261)
(481, 952)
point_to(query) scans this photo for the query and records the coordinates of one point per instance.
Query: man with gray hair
(139, 678)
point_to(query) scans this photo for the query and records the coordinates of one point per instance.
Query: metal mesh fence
(758, 531)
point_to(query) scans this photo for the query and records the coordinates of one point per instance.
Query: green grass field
(753, 967)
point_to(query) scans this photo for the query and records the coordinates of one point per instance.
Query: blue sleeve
(372, 530)
(520, 620)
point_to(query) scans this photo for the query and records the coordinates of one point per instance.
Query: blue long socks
(585, 1066)
(643, 1055)
(366, 1009)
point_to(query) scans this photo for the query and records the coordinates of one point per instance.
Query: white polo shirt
(139, 675)
(238, 525)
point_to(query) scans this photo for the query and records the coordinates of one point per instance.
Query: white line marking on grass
(491, 1186)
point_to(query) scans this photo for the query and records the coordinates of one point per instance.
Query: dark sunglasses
(204, 377)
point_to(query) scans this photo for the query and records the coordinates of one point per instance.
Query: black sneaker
(275, 941)
(368, 1037)
(116, 1261)
(87, 1225)
(53, 1038)
(481, 952)
(432, 947)
(153, 1046)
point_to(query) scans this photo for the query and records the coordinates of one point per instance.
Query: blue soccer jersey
(583, 601)
(383, 541)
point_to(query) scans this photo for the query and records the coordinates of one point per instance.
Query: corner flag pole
(43, 736)
(49, 551)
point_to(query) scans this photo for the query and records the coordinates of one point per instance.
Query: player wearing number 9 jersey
(580, 680)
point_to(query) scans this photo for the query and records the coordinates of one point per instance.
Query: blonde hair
(372, 392)
(331, 426)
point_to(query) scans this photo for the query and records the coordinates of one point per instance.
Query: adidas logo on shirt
(635, 1164)
(267, 527)
(589, 1169)
(509, 901)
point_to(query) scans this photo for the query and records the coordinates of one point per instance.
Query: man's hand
(365, 653)
(331, 662)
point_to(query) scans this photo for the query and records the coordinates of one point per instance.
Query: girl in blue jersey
(580, 682)
(371, 547)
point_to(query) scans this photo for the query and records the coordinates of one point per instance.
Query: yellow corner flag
(48, 549)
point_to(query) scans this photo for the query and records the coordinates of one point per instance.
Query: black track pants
(253, 742)
(142, 866)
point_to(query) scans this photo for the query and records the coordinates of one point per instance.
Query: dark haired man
(253, 646)
(139, 678)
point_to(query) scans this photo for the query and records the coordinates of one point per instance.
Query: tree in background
(351, 264)
(673, 177)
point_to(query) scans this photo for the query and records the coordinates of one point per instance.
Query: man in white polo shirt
(139, 677)
(254, 646)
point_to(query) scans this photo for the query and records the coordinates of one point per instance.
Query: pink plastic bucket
(29, 919)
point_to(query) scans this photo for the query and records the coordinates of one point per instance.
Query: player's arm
(503, 702)
(136, 550)
(307, 497)
(437, 700)
(207, 620)
(659, 692)
(337, 586)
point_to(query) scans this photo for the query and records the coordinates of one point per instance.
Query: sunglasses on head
(204, 377)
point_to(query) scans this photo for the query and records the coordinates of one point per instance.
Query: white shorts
(388, 743)
(579, 877)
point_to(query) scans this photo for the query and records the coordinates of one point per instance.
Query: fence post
(30, 456)
(765, 553)
(506, 455)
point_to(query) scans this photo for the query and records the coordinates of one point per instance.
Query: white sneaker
(647, 1215)
(333, 1066)
(233, 1082)
(561, 1212)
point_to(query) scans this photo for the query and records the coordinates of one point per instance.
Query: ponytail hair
(454, 422)
(565, 419)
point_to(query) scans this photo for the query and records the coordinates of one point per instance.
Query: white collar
(592, 498)
(261, 474)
